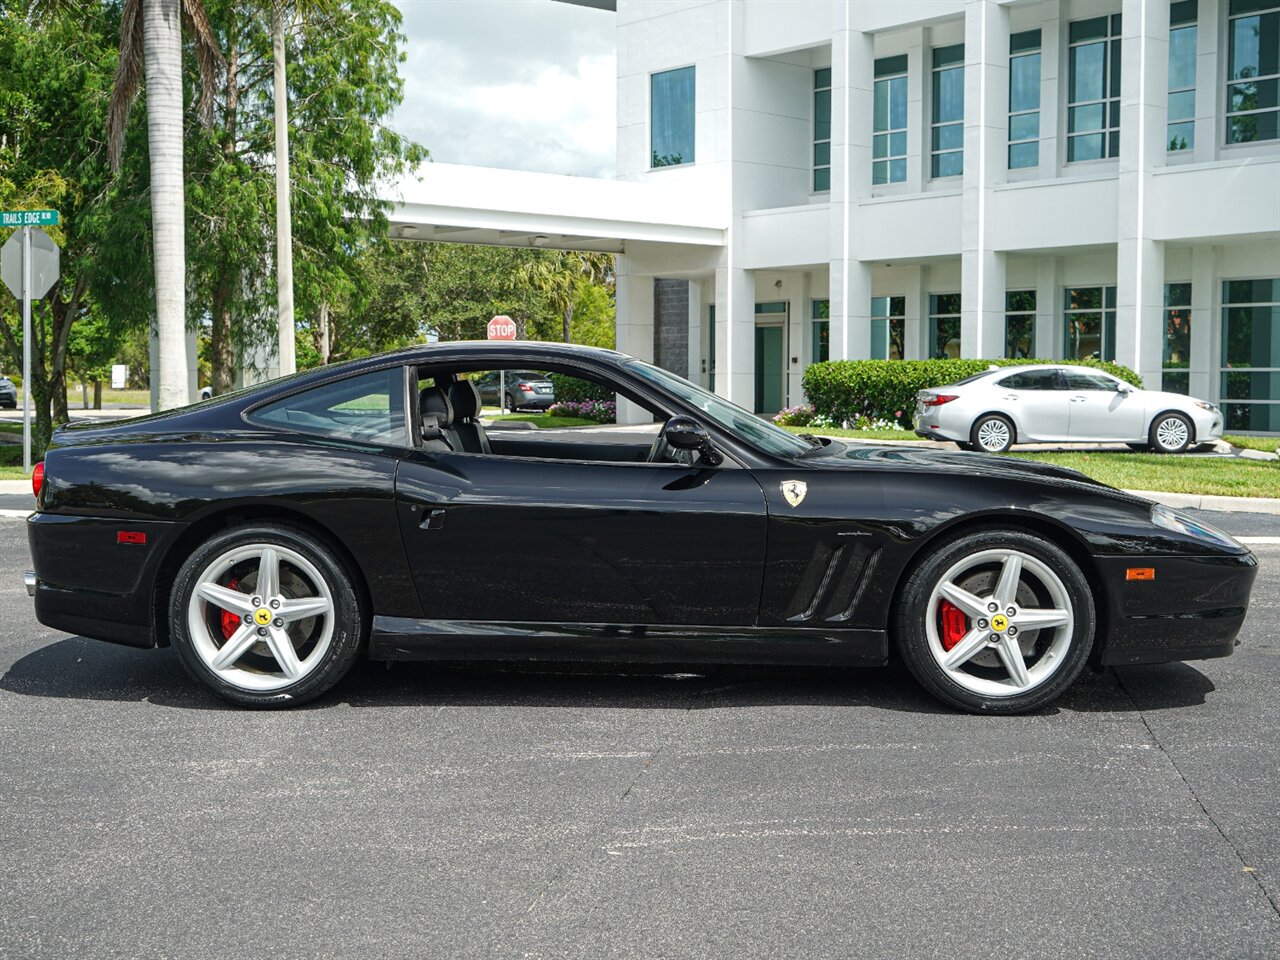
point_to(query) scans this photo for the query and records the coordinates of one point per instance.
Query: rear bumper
(1192, 610)
(86, 582)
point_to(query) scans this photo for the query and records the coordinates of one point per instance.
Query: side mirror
(685, 433)
(1124, 388)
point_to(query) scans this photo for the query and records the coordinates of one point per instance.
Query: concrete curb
(1195, 501)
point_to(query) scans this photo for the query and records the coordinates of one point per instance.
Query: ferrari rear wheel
(996, 622)
(265, 616)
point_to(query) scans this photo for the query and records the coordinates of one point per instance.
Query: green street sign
(28, 218)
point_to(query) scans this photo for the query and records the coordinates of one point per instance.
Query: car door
(487, 387)
(518, 538)
(1037, 402)
(1100, 410)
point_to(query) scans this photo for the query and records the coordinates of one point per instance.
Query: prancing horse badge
(794, 491)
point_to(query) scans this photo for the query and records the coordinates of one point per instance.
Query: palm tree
(284, 217)
(151, 44)
(556, 278)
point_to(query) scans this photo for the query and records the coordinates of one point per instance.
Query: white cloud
(524, 84)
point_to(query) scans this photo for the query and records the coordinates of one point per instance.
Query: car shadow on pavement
(82, 669)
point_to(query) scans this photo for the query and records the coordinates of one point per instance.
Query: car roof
(1021, 368)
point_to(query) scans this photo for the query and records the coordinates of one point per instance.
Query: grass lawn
(13, 426)
(11, 461)
(1228, 477)
(856, 434)
(1269, 444)
(543, 419)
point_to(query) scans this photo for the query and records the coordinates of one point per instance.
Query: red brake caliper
(231, 621)
(954, 624)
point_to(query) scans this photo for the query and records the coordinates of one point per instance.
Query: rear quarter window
(368, 407)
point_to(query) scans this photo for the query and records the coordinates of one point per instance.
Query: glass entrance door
(768, 369)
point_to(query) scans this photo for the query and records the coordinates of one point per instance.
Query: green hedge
(572, 389)
(844, 390)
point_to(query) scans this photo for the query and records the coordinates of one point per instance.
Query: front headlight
(1204, 406)
(1162, 516)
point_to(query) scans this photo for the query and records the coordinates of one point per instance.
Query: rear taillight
(938, 399)
(37, 478)
(525, 387)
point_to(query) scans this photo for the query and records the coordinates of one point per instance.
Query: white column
(1143, 123)
(918, 129)
(696, 309)
(797, 348)
(1209, 92)
(735, 335)
(634, 327)
(916, 311)
(1048, 315)
(1205, 323)
(1052, 91)
(853, 82)
(986, 111)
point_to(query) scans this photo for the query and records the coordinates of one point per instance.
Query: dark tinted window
(1088, 381)
(368, 407)
(1031, 380)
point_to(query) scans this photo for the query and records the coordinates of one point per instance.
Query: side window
(1031, 380)
(1089, 381)
(368, 407)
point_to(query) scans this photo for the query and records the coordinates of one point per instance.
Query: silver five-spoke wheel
(999, 622)
(266, 615)
(995, 621)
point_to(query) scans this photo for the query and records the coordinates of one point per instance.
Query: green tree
(343, 83)
(52, 154)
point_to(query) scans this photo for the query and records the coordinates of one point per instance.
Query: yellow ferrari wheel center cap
(262, 616)
(999, 622)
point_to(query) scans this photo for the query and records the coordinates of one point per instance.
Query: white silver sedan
(1054, 404)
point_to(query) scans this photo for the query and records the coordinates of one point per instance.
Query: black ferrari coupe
(275, 535)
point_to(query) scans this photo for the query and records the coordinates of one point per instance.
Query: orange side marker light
(1140, 573)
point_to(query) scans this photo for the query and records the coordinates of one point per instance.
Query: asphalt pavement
(424, 811)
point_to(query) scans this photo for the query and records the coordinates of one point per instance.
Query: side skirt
(400, 638)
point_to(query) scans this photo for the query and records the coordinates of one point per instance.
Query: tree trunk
(284, 222)
(568, 323)
(322, 333)
(162, 53)
(97, 394)
(221, 354)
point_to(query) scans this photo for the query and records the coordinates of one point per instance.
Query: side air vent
(833, 583)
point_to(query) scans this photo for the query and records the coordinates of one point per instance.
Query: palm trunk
(162, 43)
(284, 223)
(322, 333)
(568, 323)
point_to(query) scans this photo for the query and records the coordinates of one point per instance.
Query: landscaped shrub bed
(573, 388)
(844, 391)
(601, 411)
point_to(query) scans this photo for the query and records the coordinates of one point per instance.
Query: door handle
(433, 520)
(1079, 399)
(1011, 396)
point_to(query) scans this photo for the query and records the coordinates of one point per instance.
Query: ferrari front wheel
(996, 622)
(265, 616)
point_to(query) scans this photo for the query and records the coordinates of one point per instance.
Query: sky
(523, 84)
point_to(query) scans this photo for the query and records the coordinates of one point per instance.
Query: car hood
(851, 456)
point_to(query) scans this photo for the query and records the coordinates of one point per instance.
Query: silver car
(1033, 404)
(8, 393)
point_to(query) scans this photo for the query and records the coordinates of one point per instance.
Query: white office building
(800, 180)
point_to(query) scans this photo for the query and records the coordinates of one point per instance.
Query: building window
(1176, 376)
(889, 145)
(1093, 89)
(1020, 324)
(1089, 316)
(822, 130)
(821, 331)
(1251, 354)
(948, 111)
(671, 117)
(1182, 75)
(944, 326)
(1024, 99)
(888, 327)
(1253, 71)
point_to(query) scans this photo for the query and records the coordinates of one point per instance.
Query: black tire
(511, 404)
(997, 425)
(913, 604)
(1139, 447)
(348, 634)
(1165, 425)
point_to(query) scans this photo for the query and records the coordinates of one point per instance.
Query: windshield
(730, 416)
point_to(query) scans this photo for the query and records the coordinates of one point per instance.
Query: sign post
(502, 327)
(29, 262)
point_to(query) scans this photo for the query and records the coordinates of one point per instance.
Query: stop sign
(502, 328)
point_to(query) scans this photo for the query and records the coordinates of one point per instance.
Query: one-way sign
(45, 261)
